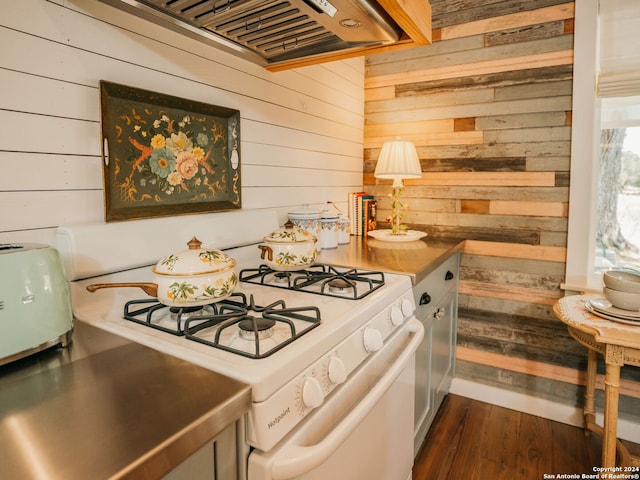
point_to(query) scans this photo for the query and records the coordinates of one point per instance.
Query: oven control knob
(312, 395)
(372, 340)
(397, 316)
(407, 307)
(336, 371)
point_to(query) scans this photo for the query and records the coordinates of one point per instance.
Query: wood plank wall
(301, 131)
(488, 106)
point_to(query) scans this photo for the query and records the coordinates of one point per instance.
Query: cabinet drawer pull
(448, 275)
(425, 299)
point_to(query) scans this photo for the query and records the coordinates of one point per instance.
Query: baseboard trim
(558, 412)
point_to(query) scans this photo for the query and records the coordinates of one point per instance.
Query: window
(604, 209)
(618, 211)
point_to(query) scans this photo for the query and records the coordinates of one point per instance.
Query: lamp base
(404, 236)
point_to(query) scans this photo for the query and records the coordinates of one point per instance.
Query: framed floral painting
(165, 155)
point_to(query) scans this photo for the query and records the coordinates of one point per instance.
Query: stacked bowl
(622, 289)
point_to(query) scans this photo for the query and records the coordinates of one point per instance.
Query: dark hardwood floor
(475, 440)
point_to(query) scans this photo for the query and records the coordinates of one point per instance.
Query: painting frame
(164, 155)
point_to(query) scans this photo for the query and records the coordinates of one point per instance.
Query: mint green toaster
(35, 301)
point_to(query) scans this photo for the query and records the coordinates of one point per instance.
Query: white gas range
(312, 396)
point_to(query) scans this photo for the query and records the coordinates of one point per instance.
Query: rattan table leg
(590, 394)
(613, 359)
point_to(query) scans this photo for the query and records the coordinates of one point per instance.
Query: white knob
(372, 340)
(397, 317)
(407, 307)
(312, 396)
(336, 371)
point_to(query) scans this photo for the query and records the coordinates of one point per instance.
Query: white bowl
(622, 281)
(623, 300)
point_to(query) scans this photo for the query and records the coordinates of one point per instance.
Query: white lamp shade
(398, 159)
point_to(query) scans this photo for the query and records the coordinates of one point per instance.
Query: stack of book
(362, 213)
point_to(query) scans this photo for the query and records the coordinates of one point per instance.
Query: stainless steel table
(106, 407)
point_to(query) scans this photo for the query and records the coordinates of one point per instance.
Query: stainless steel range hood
(271, 31)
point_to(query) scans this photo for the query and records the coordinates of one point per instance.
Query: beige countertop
(417, 258)
(106, 407)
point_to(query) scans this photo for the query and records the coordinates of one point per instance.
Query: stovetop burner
(252, 326)
(178, 313)
(282, 277)
(320, 279)
(234, 324)
(340, 285)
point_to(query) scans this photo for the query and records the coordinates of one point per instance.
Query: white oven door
(362, 432)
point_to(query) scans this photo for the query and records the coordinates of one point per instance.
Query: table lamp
(398, 160)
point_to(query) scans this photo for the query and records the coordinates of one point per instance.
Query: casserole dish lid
(194, 261)
(290, 234)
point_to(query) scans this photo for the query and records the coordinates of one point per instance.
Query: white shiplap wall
(301, 130)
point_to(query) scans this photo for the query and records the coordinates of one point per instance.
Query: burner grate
(151, 313)
(320, 279)
(220, 330)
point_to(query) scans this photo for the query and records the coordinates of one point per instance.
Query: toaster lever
(28, 299)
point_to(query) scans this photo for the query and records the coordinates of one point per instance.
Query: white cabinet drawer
(435, 286)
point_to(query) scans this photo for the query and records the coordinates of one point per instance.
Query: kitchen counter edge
(417, 258)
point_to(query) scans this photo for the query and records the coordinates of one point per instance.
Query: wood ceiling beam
(413, 16)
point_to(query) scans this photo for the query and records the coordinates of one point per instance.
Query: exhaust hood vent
(271, 31)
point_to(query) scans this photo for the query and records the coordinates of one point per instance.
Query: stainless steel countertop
(417, 258)
(106, 407)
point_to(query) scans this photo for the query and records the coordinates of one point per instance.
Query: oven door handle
(295, 460)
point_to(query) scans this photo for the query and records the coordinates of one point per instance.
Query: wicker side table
(619, 344)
